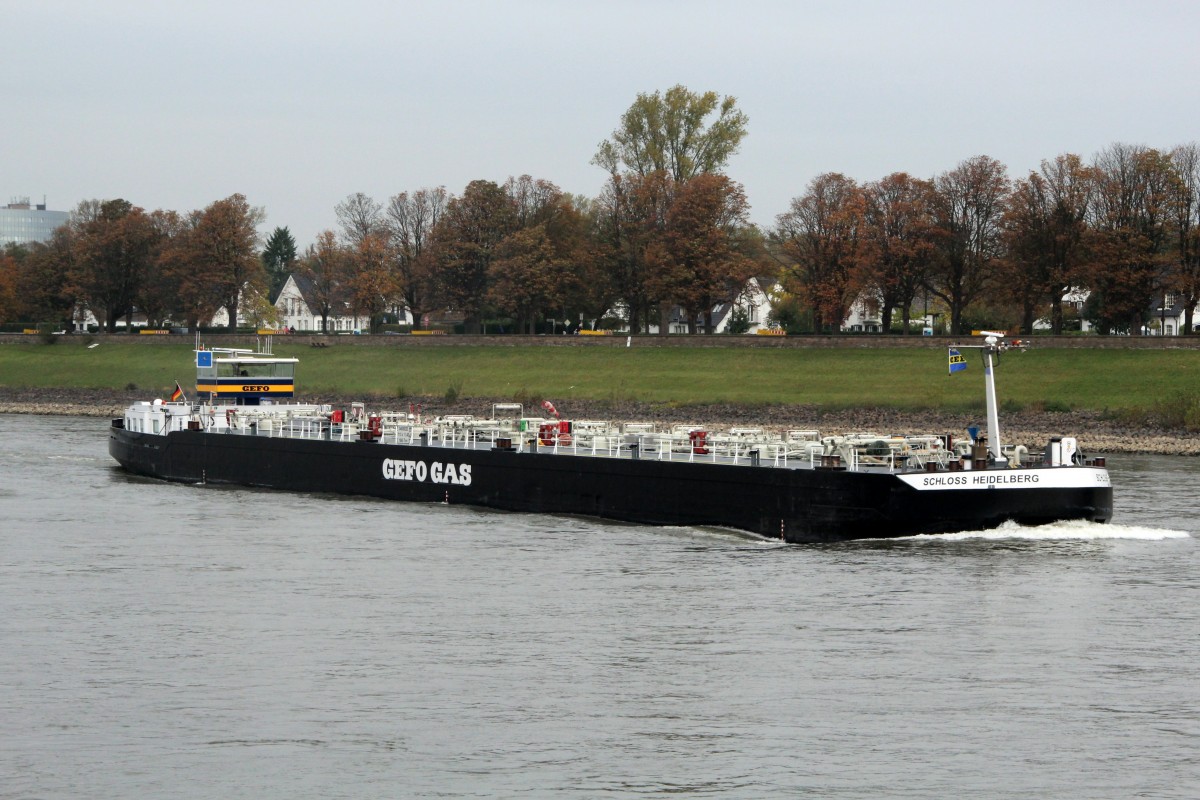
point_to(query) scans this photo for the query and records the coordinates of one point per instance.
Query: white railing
(682, 443)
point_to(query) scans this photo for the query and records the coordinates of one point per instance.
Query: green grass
(904, 378)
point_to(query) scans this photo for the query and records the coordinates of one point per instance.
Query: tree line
(112, 257)
(669, 230)
(1124, 228)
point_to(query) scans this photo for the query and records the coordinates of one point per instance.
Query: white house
(1074, 299)
(299, 309)
(294, 310)
(756, 299)
(1167, 316)
(864, 316)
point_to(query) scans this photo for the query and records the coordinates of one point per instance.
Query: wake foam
(1067, 529)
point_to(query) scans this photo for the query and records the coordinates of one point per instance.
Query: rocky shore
(1097, 433)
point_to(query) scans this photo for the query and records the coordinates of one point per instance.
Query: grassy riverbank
(1115, 401)
(1112, 381)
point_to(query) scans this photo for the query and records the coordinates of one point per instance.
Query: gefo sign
(395, 469)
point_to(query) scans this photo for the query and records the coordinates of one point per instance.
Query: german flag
(177, 395)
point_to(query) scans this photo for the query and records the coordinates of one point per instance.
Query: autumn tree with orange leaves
(114, 248)
(703, 256)
(897, 243)
(537, 272)
(821, 238)
(10, 304)
(217, 262)
(527, 278)
(1044, 230)
(368, 280)
(631, 216)
(465, 242)
(158, 295)
(322, 269)
(39, 276)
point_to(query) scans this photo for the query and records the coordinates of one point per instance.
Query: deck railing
(687, 443)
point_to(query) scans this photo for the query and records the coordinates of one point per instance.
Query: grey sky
(297, 104)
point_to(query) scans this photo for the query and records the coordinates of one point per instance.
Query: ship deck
(747, 446)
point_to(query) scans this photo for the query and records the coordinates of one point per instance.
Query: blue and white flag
(958, 362)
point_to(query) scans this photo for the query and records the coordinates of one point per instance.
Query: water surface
(195, 641)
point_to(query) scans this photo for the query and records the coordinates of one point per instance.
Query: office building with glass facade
(22, 223)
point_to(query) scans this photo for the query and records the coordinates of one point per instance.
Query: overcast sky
(298, 104)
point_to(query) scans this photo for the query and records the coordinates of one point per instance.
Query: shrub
(1180, 411)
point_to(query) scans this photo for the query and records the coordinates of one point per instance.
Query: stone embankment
(1097, 433)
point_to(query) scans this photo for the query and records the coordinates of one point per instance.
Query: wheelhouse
(245, 377)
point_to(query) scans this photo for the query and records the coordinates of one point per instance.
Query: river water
(163, 640)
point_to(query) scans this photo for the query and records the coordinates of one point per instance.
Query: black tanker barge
(795, 485)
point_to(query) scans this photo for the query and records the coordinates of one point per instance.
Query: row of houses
(296, 304)
(299, 310)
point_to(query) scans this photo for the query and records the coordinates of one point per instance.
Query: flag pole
(992, 347)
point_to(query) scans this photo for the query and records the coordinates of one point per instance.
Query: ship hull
(796, 505)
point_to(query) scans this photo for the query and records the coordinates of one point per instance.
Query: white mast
(989, 383)
(992, 347)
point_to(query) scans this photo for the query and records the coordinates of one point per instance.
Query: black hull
(797, 505)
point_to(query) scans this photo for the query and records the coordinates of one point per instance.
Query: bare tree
(359, 216)
(1186, 280)
(534, 201)
(1131, 226)
(968, 202)
(410, 221)
(1045, 222)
